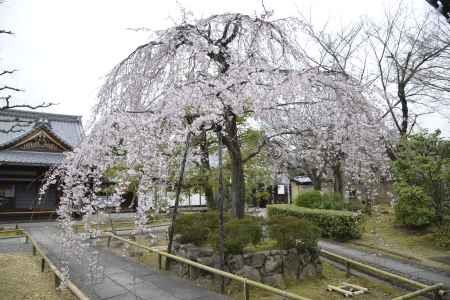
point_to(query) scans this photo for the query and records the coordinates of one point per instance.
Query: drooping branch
(2, 31)
(442, 6)
(177, 194)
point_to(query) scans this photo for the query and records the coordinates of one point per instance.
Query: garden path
(402, 267)
(122, 278)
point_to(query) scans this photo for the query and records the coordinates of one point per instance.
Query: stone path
(122, 278)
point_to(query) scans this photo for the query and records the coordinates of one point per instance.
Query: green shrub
(334, 224)
(239, 233)
(191, 229)
(413, 206)
(333, 201)
(316, 199)
(288, 230)
(210, 219)
(308, 199)
(195, 228)
(442, 237)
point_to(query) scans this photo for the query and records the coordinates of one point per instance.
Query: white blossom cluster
(192, 76)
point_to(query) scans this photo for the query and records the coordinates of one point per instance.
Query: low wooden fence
(436, 290)
(117, 226)
(20, 233)
(246, 283)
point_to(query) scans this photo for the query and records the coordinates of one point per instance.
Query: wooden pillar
(159, 261)
(347, 269)
(246, 291)
(57, 280)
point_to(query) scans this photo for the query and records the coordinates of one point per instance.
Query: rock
(291, 264)
(269, 267)
(176, 246)
(206, 260)
(250, 273)
(236, 262)
(275, 280)
(192, 253)
(206, 252)
(257, 260)
(117, 244)
(273, 264)
(308, 271)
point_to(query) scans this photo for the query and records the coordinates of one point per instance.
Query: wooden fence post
(190, 272)
(347, 268)
(57, 280)
(42, 264)
(109, 242)
(246, 291)
(34, 250)
(159, 261)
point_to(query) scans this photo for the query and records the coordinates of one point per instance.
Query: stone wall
(270, 267)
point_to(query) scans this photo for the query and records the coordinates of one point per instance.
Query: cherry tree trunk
(338, 178)
(177, 197)
(237, 185)
(317, 184)
(231, 141)
(221, 218)
(206, 168)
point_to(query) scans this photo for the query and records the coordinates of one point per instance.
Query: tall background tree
(402, 60)
(443, 6)
(8, 91)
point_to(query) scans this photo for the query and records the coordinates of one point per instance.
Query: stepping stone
(125, 278)
(108, 289)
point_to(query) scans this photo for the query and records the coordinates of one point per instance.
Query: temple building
(30, 143)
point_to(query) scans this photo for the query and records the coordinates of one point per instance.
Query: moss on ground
(316, 288)
(21, 278)
(9, 233)
(381, 232)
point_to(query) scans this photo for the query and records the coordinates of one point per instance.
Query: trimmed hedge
(334, 224)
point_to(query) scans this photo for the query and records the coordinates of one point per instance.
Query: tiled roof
(30, 158)
(67, 128)
(302, 179)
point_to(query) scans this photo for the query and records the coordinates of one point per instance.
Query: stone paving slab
(123, 278)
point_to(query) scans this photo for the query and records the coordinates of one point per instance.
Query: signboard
(281, 189)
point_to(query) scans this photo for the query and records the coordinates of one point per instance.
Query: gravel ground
(21, 278)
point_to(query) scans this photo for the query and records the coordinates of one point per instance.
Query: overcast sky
(63, 49)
